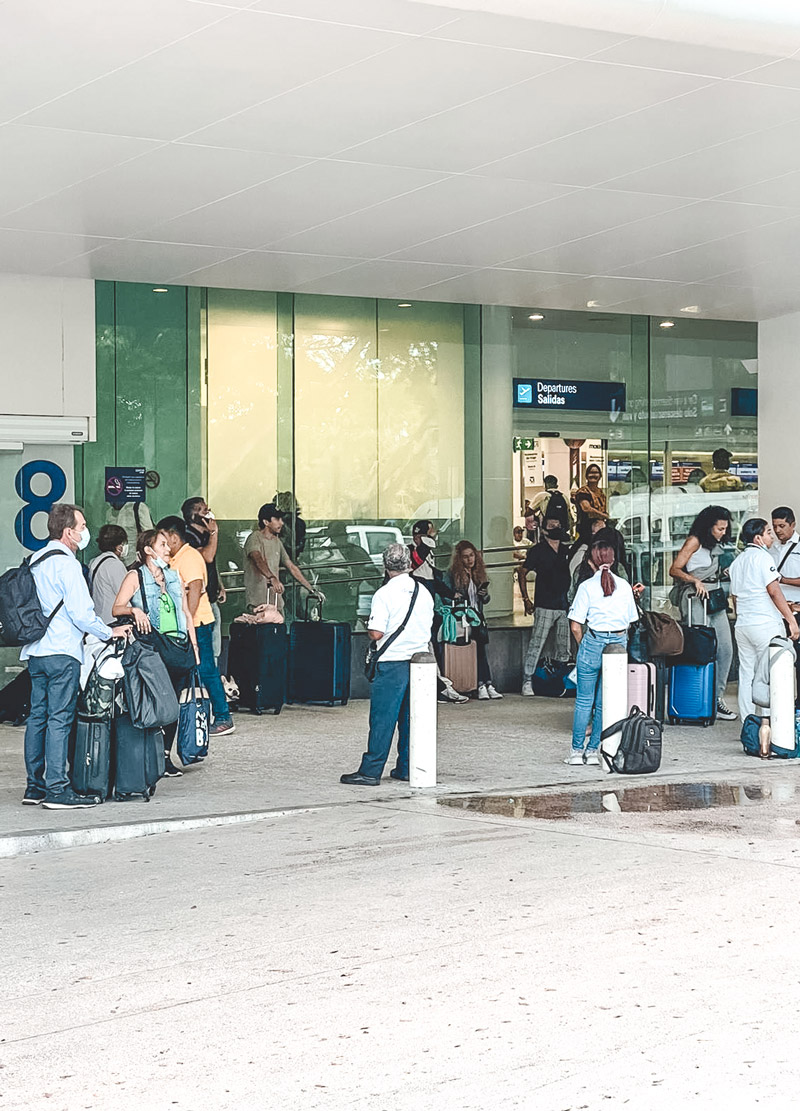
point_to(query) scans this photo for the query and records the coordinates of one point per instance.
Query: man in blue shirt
(54, 662)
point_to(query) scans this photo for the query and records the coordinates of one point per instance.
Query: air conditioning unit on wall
(46, 430)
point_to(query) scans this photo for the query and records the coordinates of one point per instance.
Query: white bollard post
(781, 698)
(422, 740)
(614, 681)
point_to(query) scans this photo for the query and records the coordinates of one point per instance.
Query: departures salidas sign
(549, 393)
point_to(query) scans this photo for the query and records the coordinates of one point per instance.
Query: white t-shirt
(791, 568)
(751, 573)
(389, 607)
(604, 615)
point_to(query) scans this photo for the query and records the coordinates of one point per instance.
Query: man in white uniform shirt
(786, 555)
(399, 625)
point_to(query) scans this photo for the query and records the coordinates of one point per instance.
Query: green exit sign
(522, 443)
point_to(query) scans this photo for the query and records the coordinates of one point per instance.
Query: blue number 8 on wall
(36, 503)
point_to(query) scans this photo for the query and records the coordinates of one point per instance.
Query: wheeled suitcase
(257, 661)
(692, 694)
(138, 759)
(461, 666)
(319, 661)
(91, 757)
(642, 688)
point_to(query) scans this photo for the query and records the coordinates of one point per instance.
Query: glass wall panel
(704, 385)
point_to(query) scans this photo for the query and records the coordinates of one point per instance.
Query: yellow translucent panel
(242, 401)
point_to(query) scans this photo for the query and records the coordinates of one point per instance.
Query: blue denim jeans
(388, 708)
(589, 695)
(209, 672)
(54, 696)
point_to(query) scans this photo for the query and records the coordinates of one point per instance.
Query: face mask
(85, 537)
(428, 541)
(555, 534)
(124, 552)
(159, 562)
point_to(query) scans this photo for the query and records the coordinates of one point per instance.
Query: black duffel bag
(149, 694)
(175, 650)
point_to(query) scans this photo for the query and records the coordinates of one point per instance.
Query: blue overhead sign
(548, 393)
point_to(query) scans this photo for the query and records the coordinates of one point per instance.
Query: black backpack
(22, 620)
(557, 507)
(639, 749)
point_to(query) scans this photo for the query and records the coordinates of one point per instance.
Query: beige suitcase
(461, 666)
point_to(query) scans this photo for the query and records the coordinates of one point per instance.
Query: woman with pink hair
(603, 609)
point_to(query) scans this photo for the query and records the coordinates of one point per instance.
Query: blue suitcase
(692, 694)
(319, 662)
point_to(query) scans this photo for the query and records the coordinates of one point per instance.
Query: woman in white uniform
(760, 605)
(696, 570)
(600, 615)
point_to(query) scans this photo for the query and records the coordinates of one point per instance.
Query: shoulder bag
(374, 653)
(175, 650)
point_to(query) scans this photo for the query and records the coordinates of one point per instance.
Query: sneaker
(593, 759)
(33, 796)
(483, 692)
(493, 693)
(575, 757)
(221, 728)
(527, 689)
(450, 694)
(171, 770)
(69, 800)
(724, 712)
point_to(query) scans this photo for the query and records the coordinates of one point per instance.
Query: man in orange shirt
(191, 567)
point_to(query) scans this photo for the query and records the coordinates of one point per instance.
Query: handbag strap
(787, 554)
(379, 651)
(98, 565)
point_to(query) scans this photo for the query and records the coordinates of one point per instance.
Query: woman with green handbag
(468, 579)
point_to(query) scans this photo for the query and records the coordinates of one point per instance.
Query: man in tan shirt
(265, 555)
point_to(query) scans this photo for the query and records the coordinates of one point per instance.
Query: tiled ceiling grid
(398, 149)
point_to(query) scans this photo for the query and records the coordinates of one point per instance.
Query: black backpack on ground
(639, 750)
(22, 620)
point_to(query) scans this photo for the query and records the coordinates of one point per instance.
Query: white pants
(752, 641)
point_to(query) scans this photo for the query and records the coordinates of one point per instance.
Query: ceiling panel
(528, 34)
(166, 182)
(681, 57)
(375, 96)
(388, 15)
(308, 197)
(578, 95)
(384, 279)
(134, 260)
(457, 202)
(48, 49)
(243, 59)
(23, 253)
(641, 143)
(37, 162)
(266, 270)
(557, 221)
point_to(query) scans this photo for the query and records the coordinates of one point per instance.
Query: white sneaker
(575, 758)
(527, 689)
(450, 694)
(493, 693)
(483, 692)
(593, 759)
(724, 712)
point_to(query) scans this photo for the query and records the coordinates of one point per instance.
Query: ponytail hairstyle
(604, 555)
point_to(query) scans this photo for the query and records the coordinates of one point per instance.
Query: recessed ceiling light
(536, 316)
(691, 308)
(667, 324)
(160, 289)
(404, 305)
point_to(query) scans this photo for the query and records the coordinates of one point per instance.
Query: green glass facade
(373, 413)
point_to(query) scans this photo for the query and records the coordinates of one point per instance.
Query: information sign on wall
(563, 394)
(125, 484)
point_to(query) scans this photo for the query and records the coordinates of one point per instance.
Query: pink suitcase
(642, 687)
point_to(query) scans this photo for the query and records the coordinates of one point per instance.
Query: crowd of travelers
(161, 583)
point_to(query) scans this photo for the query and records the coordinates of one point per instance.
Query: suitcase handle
(320, 604)
(691, 610)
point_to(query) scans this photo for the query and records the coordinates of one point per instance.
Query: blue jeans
(388, 707)
(589, 695)
(54, 696)
(209, 672)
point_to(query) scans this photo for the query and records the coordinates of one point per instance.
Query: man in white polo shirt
(786, 554)
(399, 625)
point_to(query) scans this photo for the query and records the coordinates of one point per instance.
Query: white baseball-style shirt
(604, 614)
(791, 566)
(389, 606)
(751, 573)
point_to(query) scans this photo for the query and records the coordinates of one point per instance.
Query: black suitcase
(91, 757)
(15, 699)
(138, 760)
(319, 662)
(257, 661)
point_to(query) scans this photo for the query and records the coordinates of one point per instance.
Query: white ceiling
(394, 148)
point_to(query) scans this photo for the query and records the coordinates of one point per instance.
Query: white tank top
(698, 560)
